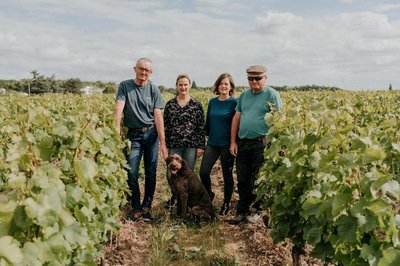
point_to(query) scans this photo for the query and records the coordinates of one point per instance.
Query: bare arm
(159, 121)
(118, 115)
(234, 130)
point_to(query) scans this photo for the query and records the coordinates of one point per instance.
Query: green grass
(175, 243)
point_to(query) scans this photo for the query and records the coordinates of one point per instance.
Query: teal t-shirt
(219, 121)
(252, 108)
(140, 102)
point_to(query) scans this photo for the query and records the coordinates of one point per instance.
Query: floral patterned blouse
(184, 126)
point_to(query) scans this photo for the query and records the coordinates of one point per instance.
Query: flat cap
(256, 71)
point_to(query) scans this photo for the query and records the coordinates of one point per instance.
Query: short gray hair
(143, 59)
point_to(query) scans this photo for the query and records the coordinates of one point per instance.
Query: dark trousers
(211, 155)
(249, 160)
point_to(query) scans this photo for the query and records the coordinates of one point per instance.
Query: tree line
(39, 83)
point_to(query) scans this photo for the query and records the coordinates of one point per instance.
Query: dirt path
(168, 242)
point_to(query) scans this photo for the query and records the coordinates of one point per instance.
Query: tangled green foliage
(331, 177)
(61, 179)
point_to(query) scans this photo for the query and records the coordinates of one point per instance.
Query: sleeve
(121, 95)
(207, 125)
(167, 123)
(239, 103)
(158, 100)
(201, 138)
(277, 101)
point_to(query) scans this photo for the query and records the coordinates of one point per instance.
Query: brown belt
(142, 129)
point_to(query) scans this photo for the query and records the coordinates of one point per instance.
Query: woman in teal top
(218, 129)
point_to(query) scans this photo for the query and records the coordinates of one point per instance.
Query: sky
(350, 44)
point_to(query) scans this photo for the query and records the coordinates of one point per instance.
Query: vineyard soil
(244, 244)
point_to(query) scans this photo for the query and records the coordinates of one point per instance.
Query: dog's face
(174, 163)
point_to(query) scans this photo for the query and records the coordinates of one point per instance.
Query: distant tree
(13, 85)
(73, 85)
(38, 83)
(99, 84)
(194, 85)
(54, 85)
(390, 86)
(110, 88)
(41, 84)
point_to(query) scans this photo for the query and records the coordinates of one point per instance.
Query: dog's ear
(185, 170)
(168, 160)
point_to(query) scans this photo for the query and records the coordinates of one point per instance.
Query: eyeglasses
(144, 69)
(255, 78)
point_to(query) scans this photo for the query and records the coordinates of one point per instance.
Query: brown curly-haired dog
(189, 190)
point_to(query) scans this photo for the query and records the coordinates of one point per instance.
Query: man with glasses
(248, 139)
(141, 102)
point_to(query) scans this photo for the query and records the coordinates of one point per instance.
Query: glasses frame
(255, 78)
(142, 69)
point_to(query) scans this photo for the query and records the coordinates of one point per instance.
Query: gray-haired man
(248, 136)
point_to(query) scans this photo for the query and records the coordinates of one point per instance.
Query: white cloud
(366, 23)
(8, 38)
(388, 7)
(272, 22)
(100, 40)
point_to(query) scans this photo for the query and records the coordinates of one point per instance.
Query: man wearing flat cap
(248, 138)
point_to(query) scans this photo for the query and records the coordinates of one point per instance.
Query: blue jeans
(188, 154)
(146, 145)
(249, 159)
(211, 155)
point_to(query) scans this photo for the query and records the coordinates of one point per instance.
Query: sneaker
(239, 217)
(146, 215)
(136, 216)
(253, 218)
(224, 209)
(169, 204)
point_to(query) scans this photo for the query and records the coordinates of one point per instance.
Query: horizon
(390, 87)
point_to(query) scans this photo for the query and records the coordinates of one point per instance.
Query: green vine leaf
(9, 250)
(85, 169)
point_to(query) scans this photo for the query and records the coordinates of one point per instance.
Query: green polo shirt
(252, 108)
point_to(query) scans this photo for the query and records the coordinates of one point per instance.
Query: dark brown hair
(218, 82)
